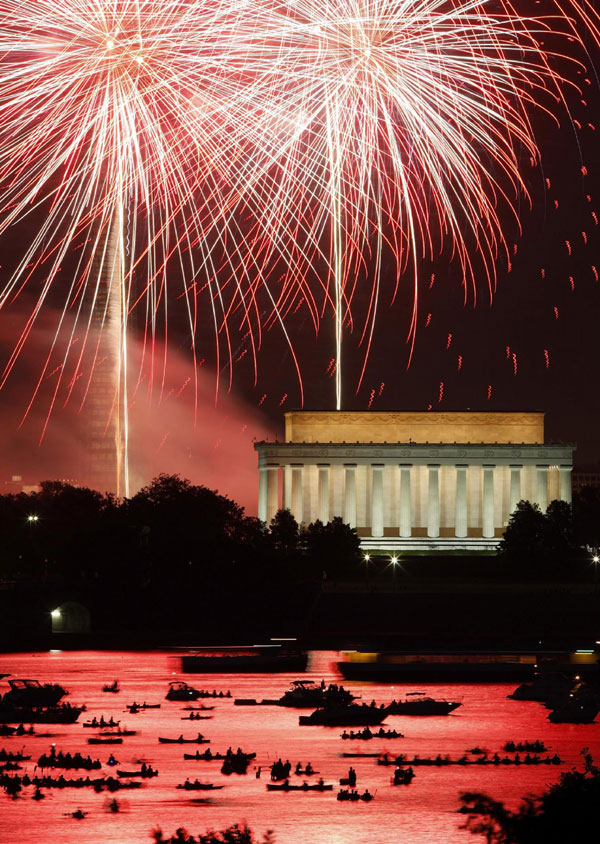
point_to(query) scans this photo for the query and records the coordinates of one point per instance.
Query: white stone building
(413, 481)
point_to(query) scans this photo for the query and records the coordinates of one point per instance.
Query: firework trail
(120, 121)
(401, 128)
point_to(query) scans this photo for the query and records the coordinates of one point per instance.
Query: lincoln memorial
(412, 481)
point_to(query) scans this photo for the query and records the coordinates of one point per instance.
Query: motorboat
(418, 705)
(307, 694)
(33, 693)
(352, 715)
(62, 713)
(178, 690)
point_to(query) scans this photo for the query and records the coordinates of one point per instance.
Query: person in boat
(351, 777)
(144, 768)
(298, 768)
(309, 769)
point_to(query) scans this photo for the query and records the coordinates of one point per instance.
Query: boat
(107, 740)
(421, 706)
(101, 722)
(198, 786)
(575, 712)
(545, 684)
(252, 659)
(353, 796)
(456, 665)
(367, 734)
(134, 707)
(287, 786)
(201, 708)
(209, 756)
(144, 773)
(62, 713)
(181, 740)
(33, 693)
(112, 687)
(121, 732)
(306, 694)
(195, 716)
(345, 716)
(178, 690)
(403, 776)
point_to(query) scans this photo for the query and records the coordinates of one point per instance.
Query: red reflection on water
(421, 813)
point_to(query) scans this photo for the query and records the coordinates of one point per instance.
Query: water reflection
(420, 813)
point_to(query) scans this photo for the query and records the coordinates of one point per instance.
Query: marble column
(460, 515)
(349, 513)
(323, 492)
(262, 493)
(377, 500)
(433, 509)
(515, 487)
(542, 486)
(297, 505)
(405, 515)
(488, 502)
(287, 488)
(565, 488)
(272, 491)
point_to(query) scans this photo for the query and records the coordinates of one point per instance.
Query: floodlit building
(413, 481)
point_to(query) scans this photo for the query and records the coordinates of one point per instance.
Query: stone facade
(410, 493)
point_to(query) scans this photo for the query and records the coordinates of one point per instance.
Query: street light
(366, 558)
(33, 517)
(595, 561)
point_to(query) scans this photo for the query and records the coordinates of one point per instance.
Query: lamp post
(366, 558)
(595, 561)
(394, 561)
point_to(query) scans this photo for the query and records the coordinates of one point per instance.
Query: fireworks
(252, 151)
(117, 119)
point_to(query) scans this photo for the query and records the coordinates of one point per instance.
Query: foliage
(541, 544)
(586, 516)
(233, 835)
(333, 547)
(568, 811)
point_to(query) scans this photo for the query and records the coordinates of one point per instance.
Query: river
(421, 813)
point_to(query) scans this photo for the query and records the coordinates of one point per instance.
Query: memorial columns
(405, 514)
(460, 515)
(287, 488)
(542, 486)
(433, 510)
(515, 487)
(262, 493)
(272, 492)
(350, 494)
(323, 492)
(297, 492)
(377, 500)
(488, 502)
(565, 488)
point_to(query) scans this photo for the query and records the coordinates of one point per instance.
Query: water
(421, 813)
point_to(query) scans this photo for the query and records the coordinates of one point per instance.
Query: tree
(285, 532)
(333, 547)
(586, 516)
(524, 536)
(568, 811)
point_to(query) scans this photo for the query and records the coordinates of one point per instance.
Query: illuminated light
(110, 44)
(56, 613)
(394, 560)
(367, 558)
(595, 559)
(33, 517)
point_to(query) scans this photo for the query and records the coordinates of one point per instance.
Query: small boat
(178, 690)
(78, 814)
(181, 740)
(194, 716)
(199, 786)
(135, 707)
(209, 756)
(403, 776)
(287, 786)
(144, 772)
(360, 755)
(102, 722)
(201, 708)
(105, 740)
(112, 687)
(354, 796)
(121, 732)
(422, 706)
